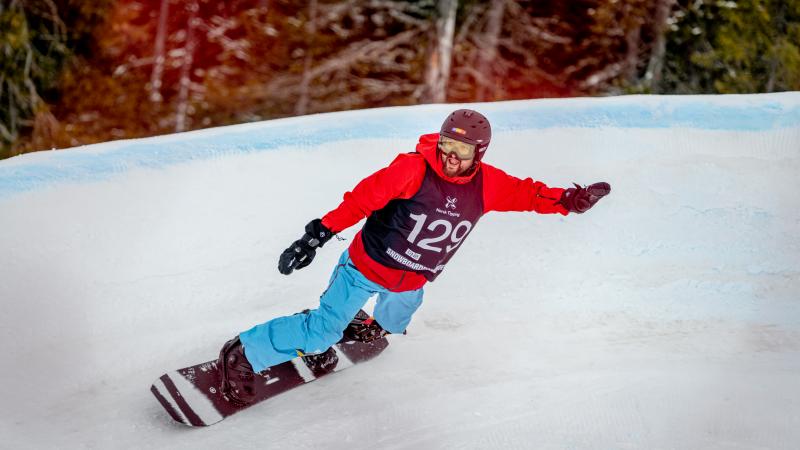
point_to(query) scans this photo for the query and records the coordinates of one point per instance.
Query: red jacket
(403, 177)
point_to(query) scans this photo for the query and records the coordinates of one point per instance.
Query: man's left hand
(580, 199)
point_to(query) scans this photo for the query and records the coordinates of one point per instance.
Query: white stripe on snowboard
(196, 399)
(308, 375)
(344, 361)
(303, 370)
(164, 392)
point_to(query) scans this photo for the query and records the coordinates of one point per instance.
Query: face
(453, 167)
(457, 157)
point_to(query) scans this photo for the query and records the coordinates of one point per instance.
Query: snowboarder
(419, 210)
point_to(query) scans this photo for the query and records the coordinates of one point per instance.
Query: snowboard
(192, 395)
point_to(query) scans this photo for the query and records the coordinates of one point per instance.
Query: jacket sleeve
(503, 192)
(401, 179)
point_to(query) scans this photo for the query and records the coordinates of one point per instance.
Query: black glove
(303, 250)
(580, 199)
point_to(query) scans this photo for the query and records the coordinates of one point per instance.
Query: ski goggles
(462, 150)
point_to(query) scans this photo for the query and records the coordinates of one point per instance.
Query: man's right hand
(302, 251)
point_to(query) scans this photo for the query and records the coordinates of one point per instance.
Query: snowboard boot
(363, 328)
(322, 363)
(238, 378)
(319, 363)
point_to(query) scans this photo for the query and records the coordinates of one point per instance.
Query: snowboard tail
(192, 395)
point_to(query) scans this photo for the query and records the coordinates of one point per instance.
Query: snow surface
(667, 317)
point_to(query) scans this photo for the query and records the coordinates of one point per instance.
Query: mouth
(451, 165)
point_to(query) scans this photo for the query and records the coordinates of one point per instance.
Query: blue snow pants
(278, 340)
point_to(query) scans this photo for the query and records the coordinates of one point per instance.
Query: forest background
(79, 72)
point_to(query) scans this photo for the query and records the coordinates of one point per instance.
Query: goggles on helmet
(462, 150)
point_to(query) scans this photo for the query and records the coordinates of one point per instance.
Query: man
(420, 209)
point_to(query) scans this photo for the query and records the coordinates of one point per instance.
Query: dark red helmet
(468, 126)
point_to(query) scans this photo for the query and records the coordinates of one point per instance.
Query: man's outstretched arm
(503, 192)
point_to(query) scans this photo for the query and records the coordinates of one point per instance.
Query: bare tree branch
(286, 85)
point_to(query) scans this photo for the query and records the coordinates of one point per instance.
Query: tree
(71, 77)
(490, 48)
(759, 45)
(622, 36)
(187, 52)
(156, 77)
(149, 70)
(732, 47)
(508, 49)
(440, 57)
(355, 54)
(32, 45)
(37, 37)
(305, 81)
(655, 64)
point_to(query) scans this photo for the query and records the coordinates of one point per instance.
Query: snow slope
(668, 317)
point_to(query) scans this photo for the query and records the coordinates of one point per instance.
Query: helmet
(468, 126)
